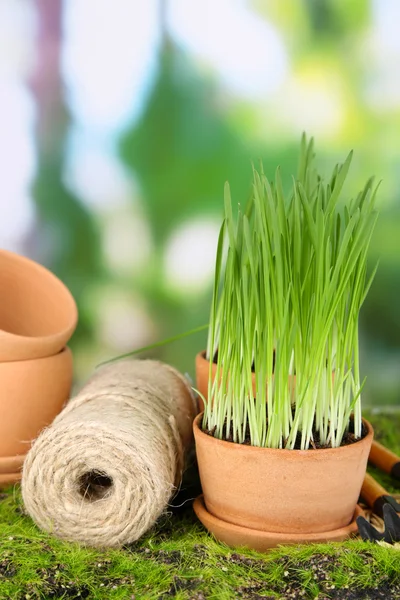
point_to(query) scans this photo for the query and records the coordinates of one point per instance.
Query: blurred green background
(121, 120)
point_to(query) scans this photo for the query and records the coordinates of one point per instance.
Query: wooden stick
(376, 496)
(385, 459)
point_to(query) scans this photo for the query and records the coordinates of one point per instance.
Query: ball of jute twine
(106, 468)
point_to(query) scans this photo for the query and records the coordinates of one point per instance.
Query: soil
(295, 583)
(384, 592)
(54, 588)
(315, 443)
(52, 585)
(294, 588)
(7, 568)
(180, 584)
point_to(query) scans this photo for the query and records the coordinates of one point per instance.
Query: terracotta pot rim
(56, 283)
(9, 363)
(282, 452)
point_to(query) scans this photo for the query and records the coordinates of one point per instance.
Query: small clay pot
(9, 479)
(38, 314)
(32, 393)
(11, 464)
(283, 491)
(202, 376)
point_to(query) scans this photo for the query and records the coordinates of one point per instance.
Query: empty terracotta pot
(285, 491)
(37, 312)
(32, 393)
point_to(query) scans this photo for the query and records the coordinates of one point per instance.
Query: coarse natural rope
(106, 468)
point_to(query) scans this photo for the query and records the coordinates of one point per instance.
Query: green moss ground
(178, 559)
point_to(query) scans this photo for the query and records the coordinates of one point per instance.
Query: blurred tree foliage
(191, 138)
(183, 147)
(332, 18)
(181, 151)
(66, 237)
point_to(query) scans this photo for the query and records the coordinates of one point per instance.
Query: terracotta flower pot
(202, 375)
(281, 491)
(11, 464)
(37, 312)
(32, 394)
(7, 480)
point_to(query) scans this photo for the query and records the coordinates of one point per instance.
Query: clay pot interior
(37, 312)
(281, 491)
(32, 393)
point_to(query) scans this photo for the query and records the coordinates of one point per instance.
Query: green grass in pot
(290, 280)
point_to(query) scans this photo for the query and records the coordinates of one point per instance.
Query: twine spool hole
(94, 485)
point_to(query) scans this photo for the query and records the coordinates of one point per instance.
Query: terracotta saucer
(235, 535)
(7, 479)
(11, 464)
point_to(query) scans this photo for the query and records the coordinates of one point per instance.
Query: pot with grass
(282, 446)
